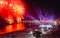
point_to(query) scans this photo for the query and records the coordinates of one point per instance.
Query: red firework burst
(10, 9)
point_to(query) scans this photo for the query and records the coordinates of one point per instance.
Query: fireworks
(11, 9)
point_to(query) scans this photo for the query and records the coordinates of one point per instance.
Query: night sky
(44, 4)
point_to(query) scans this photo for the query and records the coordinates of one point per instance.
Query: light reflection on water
(12, 28)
